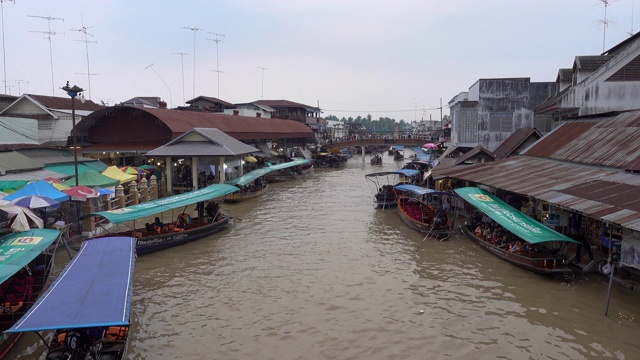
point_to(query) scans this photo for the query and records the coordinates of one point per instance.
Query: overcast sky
(350, 57)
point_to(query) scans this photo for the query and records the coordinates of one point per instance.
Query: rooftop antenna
(263, 69)
(7, 86)
(217, 40)
(194, 29)
(4, 57)
(605, 22)
(165, 83)
(21, 82)
(630, 32)
(49, 33)
(182, 54)
(86, 42)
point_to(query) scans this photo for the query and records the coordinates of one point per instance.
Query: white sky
(350, 57)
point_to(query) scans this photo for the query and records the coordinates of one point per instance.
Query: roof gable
(514, 141)
(203, 142)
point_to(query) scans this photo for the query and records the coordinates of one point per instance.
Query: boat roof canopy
(509, 217)
(152, 207)
(403, 172)
(288, 164)
(94, 289)
(17, 250)
(419, 190)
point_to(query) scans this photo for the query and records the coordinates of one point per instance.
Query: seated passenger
(149, 227)
(157, 223)
(478, 230)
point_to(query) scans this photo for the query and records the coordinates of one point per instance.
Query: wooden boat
(376, 160)
(288, 170)
(101, 315)
(20, 288)
(247, 193)
(385, 196)
(399, 155)
(537, 256)
(184, 230)
(329, 160)
(423, 209)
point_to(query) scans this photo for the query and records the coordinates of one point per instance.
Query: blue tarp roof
(39, 188)
(422, 190)
(94, 289)
(404, 172)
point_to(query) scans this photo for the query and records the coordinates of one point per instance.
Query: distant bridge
(389, 142)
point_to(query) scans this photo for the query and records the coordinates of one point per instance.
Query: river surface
(313, 271)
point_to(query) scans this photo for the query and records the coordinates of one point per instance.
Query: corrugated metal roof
(239, 127)
(32, 175)
(13, 161)
(284, 103)
(514, 141)
(612, 141)
(214, 143)
(477, 151)
(213, 100)
(52, 102)
(561, 183)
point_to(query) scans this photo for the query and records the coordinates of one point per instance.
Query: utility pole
(194, 29)
(217, 59)
(263, 69)
(165, 83)
(49, 33)
(86, 42)
(4, 56)
(182, 54)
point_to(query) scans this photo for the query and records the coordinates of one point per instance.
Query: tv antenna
(263, 69)
(49, 33)
(4, 56)
(630, 32)
(165, 83)
(21, 82)
(86, 42)
(182, 54)
(194, 29)
(217, 40)
(605, 23)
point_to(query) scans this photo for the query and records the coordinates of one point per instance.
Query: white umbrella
(21, 218)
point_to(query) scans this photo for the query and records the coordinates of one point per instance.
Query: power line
(165, 83)
(49, 33)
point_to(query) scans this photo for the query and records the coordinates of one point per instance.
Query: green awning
(509, 217)
(250, 176)
(92, 179)
(98, 166)
(171, 202)
(19, 249)
(9, 186)
(68, 169)
(288, 164)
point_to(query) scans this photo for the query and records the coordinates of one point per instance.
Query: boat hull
(239, 196)
(540, 265)
(147, 243)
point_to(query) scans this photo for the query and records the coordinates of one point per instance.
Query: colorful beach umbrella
(430, 146)
(35, 202)
(105, 191)
(20, 218)
(81, 193)
(132, 170)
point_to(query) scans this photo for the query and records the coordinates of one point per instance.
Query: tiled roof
(590, 63)
(284, 103)
(214, 143)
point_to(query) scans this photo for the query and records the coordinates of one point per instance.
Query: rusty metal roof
(179, 122)
(612, 141)
(515, 140)
(284, 103)
(610, 194)
(64, 103)
(477, 152)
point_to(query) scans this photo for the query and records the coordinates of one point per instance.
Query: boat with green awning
(178, 231)
(26, 260)
(541, 254)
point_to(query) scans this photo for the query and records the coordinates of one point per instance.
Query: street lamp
(73, 92)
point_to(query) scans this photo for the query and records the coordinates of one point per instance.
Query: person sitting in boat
(149, 227)
(440, 219)
(478, 231)
(157, 223)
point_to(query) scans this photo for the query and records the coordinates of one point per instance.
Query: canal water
(311, 270)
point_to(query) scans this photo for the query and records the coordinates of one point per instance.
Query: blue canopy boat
(384, 182)
(250, 185)
(26, 259)
(92, 295)
(426, 210)
(180, 231)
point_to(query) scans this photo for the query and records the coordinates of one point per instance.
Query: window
(45, 125)
(500, 122)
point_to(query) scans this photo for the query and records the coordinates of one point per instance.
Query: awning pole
(606, 308)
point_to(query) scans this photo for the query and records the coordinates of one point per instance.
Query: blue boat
(89, 305)
(385, 196)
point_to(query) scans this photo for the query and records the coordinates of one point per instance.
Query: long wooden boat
(376, 160)
(539, 258)
(182, 230)
(247, 194)
(26, 261)
(90, 321)
(385, 196)
(423, 209)
(288, 170)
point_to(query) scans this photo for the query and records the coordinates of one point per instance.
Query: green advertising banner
(19, 249)
(509, 217)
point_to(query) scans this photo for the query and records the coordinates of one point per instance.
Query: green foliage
(381, 125)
